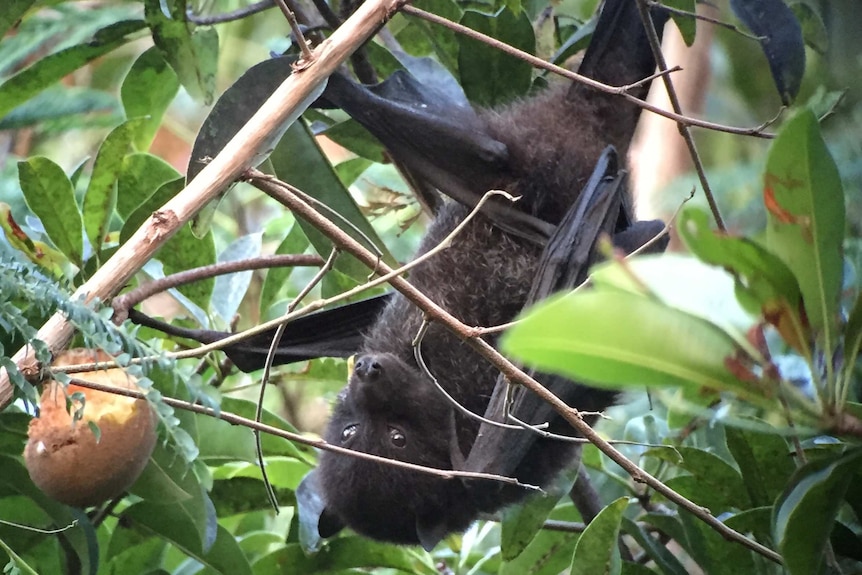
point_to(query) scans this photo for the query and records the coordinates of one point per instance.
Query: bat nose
(368, 368)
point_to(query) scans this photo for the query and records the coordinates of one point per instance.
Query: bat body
(542, 149)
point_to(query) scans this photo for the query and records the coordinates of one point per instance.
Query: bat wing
(439, 139)
(335, 332)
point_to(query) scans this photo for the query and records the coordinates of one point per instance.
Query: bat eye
(397, 438)
(348, 432)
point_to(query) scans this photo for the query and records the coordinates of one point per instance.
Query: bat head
(389, 409)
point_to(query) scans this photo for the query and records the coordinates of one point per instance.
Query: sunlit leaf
(614, 338)
(345, 553)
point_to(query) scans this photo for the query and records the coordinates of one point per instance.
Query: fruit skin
(63, 457)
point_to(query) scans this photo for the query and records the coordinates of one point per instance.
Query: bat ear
(316, 521)
(429, 532)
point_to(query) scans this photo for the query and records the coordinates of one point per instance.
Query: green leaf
(805, 513)
(521, 522)
(608, 338)
(345, 553)
(148, 88)
(713, 482)
(298, 160)
(230, 289)
(853, 336)
(190, 50)
(491, 77)
(765, 285)
(805, 219)
(764, 461)
(61, 108)
(421, 37)
(272, 445)
(49, 194)
(597, 550)
(813, 29)
(140, 177)
(50, 69)
(715, 554)
(101, 195)
(659, 553)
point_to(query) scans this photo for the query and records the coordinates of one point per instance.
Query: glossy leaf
(149, 87)
(712, 551)
(597, 551)
(782, 41)
(50, 69)
(660, 554)
(191, 51)
(230, 289)
(50, 196)
(54, 262)
(614, 338)
(489, 76)
(805, 512)
(687, 25)
(805, 219)
(712, 483)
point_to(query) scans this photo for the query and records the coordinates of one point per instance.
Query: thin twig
(705, 18)
(307, 56)
(238, 14)
(621, 91)
(267, 367)
(130, 299)
(234, 419)
(685, 132)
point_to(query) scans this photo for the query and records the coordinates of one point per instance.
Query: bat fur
(389, 408)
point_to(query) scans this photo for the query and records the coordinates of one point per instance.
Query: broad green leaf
(521, 522)
(756, 521)
(420, 37)
(351, 135)
(489, 76)
(142, 174)
(713, 482)
(192, 51)
(715, 554)
(298, 160)
(853, 335)
(764, 461)
(101, 195)
(148, 88)
(764, 284)
(131, 551)
(805, 219)
(614, 338)
(165, 478)
(50, 69)
(597, 551)
(346, 553)
(813, 28)
(272, 445)
(49, 194)
(684, 283)
(805, 513)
